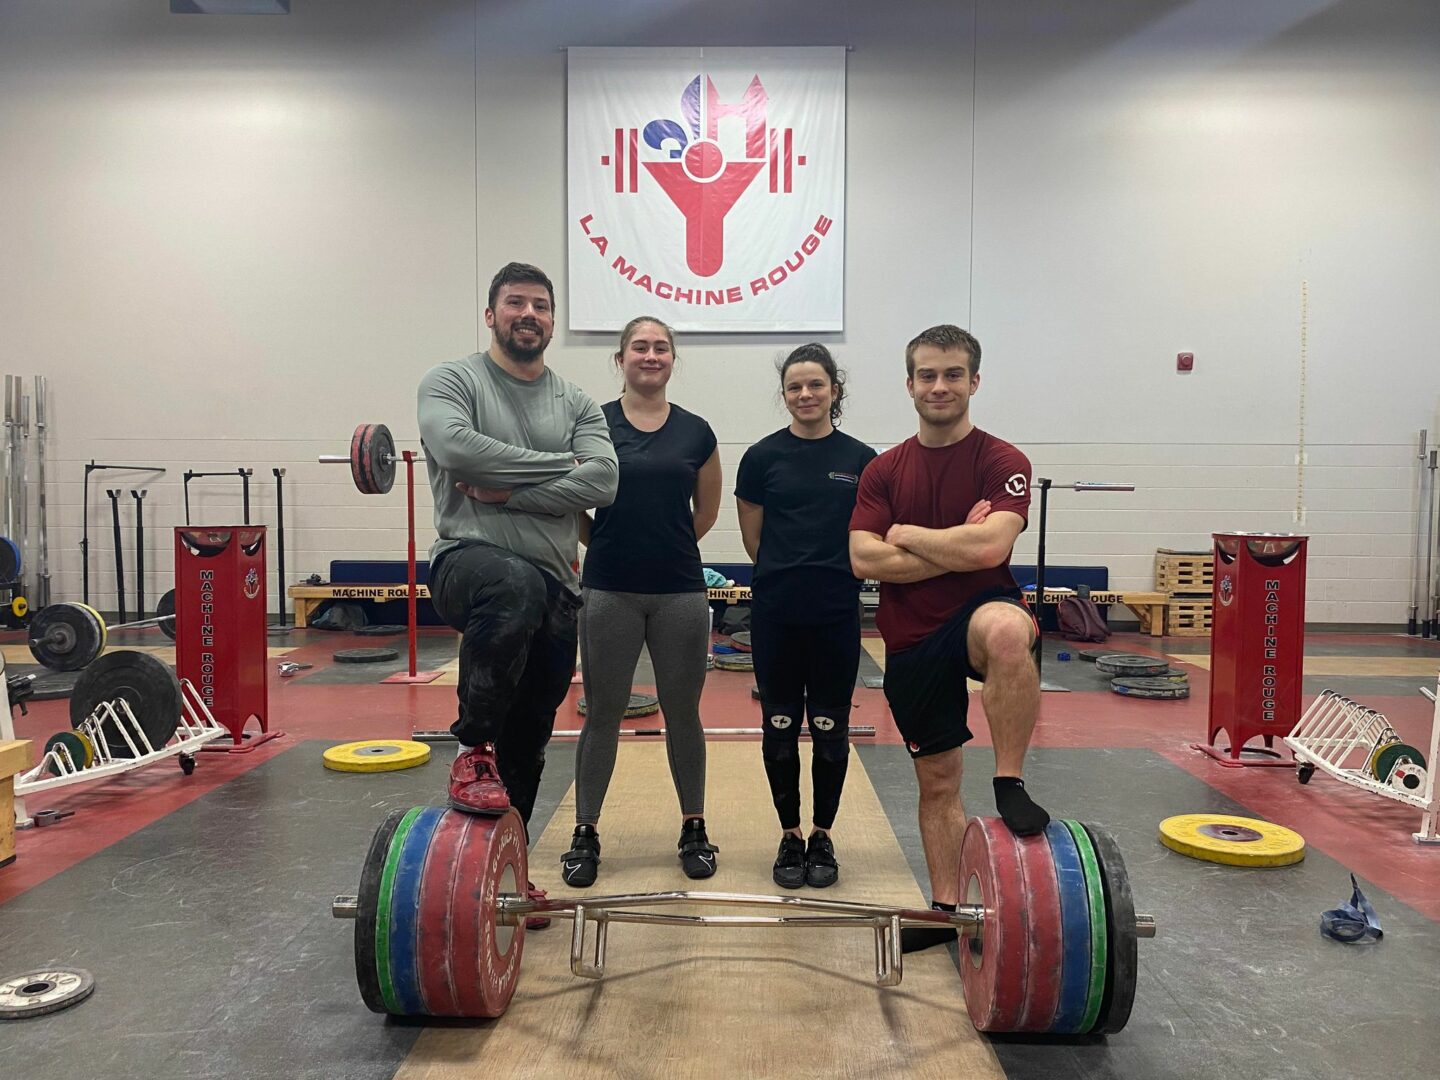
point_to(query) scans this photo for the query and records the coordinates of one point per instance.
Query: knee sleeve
(780, 730)
(830, 731)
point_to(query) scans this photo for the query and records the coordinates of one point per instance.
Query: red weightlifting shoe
(475, 785)
(536, 922)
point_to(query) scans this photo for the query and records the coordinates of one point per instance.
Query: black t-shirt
(644, 542)
(807, 489)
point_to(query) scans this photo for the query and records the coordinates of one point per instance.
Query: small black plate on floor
(365, 656)
(381, 630)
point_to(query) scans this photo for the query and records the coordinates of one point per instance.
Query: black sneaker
(821, 869)
(789, 871)
(697, 854)
(579, 865)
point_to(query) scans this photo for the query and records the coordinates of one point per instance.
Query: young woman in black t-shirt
(795, 493)
(642, 585)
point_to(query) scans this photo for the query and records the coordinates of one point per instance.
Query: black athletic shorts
(925, 684)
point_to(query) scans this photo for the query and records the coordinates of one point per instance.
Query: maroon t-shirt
(935, 487)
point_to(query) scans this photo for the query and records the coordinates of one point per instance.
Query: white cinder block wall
(225, 241)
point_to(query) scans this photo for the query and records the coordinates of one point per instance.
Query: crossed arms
(909, 553)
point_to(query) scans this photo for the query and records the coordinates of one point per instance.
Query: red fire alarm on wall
(1185, 361)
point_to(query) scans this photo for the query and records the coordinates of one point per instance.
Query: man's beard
(523, 353)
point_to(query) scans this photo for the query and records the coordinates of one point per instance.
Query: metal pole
(22, 494)
(9, 476)
(245, 491)
(114, 494)
(280, 552)
(139, 552)
(1044, 483)
(410, 508)
(85, 535)
(1430, 513)
(42, 578)
(1415, 586)
(188, 475)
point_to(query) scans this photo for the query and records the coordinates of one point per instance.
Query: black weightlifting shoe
(581, 863)
(821, 869)
(789, 870)
(697, 854)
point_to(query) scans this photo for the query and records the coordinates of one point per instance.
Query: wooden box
(1188, 616)
(1184, 571)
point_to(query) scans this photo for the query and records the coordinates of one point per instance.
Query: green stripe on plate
(1099, 935)
(382, 912)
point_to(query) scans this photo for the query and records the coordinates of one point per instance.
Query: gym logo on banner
(707, 186)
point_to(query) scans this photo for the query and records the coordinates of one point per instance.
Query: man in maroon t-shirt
(935, 520)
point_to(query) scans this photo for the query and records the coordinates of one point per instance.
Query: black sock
(1019, 811)
(915, 938)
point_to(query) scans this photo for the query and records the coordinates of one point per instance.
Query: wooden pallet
(1188, 616)
(1184, 571)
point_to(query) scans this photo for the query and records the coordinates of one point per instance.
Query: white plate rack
(57, 768)
(1339, 737)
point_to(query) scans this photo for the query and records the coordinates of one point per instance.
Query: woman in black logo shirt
(795, 493)
(642, 585)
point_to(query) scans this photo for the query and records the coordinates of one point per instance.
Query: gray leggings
(676, 629)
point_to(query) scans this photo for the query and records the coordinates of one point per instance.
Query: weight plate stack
(1128, 665)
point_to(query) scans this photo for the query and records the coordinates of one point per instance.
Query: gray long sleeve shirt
(545, 440)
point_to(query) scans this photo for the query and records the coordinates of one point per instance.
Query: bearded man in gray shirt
(514, 453)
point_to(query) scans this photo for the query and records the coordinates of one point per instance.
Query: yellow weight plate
(89, 748)
(104, 631)
(1372, 763)
(19, 607)
(376, 755)
(1234, 841)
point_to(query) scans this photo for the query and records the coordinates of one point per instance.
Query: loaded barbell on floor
(1048, 924)
(70, 637)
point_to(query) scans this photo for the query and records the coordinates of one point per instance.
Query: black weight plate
(638, 705)
(147, 685)
(1132, 666)
(364, 656)
(53, 685)
(165, 607)
(380, 462)
(1095, 654)
(381, 630)
(66, 637)
(754, 693)
(741, 640)
(1151, 688)
(370, 873)
(1121, 972)
(735, 661)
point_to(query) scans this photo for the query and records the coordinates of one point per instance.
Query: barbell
(1048, 925)
(70, 637)
(372, 459)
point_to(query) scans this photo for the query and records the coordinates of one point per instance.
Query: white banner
(707, 187)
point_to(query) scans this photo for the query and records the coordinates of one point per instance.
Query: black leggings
(805, 671)
(517, 654)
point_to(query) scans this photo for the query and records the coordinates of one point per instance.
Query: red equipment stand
(412, 676)
(220, 644)
(1257, 644)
